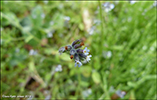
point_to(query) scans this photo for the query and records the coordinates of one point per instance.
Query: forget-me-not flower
(78, 63)
(86, 51)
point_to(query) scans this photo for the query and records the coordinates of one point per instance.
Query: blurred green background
(121, 37)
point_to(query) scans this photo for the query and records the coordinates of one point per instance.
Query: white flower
(78, 63)
(108, 6)
(87, 92)
(58, 68)
(51, 22)
(132, 1)
(120, 93)
(33, 52)
(109, 54)
(91, 30)
(43, 15)
(88, 58)
(86, 51)
(67, 18)
(50, 34)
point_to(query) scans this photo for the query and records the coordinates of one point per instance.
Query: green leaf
(11, 18)
(48, 77)
(81, 26)
(31, 66)
(58, 19)
(49, 51)
(28, 38)
(86, 71)
(84, 84)
(132, 95)
(26, 24)
(117, 47)
(65, 57)
(36, 15)
(96, 63)
(96, 77)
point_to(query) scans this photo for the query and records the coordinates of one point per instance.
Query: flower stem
(102, 32)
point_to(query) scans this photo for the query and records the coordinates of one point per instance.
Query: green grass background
(127, 32)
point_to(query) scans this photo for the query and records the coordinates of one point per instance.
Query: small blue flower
(86, 51)
(78, 63)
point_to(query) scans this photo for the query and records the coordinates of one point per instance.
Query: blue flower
(86, 51)
(78, 63)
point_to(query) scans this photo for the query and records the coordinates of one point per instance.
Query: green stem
(79, 82)
(102, 32)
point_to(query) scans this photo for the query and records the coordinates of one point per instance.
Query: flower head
(78, 63)
(76, 54)
(86, 51)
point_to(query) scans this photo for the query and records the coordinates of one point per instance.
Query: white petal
(80, 63)
(90, 56)
(86, 53)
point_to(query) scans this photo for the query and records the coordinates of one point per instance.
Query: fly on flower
(76, 53)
